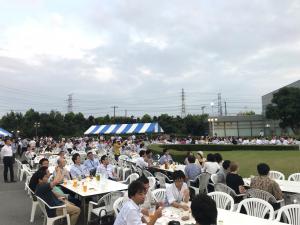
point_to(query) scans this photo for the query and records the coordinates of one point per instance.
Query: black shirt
(234, 181)
(33, 182)
(44, 191)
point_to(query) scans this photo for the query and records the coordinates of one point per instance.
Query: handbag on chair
(103, 219)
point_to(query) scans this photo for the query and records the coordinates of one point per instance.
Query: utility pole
(183, 114)
(220, 111)
(70, 103)
(202, 108)
(114, 107)
(225, 105)
(125, 113)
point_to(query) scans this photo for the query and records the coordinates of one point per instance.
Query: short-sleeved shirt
(165, 159)
(140, 162)
(175, 195)
(234, 181)
(44, 191)
(77, 171)
(265, 183)
(130, 214)
(91, 164)
(211, 167)
(192, 170)
(107, 171)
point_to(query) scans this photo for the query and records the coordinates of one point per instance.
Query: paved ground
(15, 204)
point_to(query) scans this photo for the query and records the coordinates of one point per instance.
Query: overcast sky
(138, 55)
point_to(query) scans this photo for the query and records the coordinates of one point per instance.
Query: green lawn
(286, 162)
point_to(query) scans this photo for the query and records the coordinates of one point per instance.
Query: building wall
(267, 98)
(246, 126)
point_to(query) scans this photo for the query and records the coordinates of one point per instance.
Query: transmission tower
(220, 111)
(183, 114)
(70, 103)
(114, 107)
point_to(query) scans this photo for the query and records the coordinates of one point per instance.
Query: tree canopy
(56, 124)
(286, 108)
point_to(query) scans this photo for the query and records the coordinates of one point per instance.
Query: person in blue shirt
(77, 170)
(192, 170)
(91, 163)
(166, 157)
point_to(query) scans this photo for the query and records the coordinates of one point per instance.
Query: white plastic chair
(291, 213)
(105, 202)
(162, 178)
(159, 195)
(152, 183)
(203, 182)
(34, 203)
(224, 188)
(130, 178)
(25, 171)
(294, 177)
(118, 204)
(276, 175)
(137, 169)
(214, 178)
(147, 173)
(257, 207)
(28, 177)
(223, 200)
(264, 195)
(19, 168)
(51, 220)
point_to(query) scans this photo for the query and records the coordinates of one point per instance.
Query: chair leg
(33, 209)
(68, 219)
(89, 212)
(21, 176)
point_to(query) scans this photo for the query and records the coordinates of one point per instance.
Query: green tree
(286, 108)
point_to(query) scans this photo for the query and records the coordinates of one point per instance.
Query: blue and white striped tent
(4, 133)
(138, 128)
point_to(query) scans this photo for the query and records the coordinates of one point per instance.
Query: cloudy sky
(138, 55)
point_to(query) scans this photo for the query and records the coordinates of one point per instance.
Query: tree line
(71, 124)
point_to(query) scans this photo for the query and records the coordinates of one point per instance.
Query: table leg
(83, 204)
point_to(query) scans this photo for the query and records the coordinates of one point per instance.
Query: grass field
(287, 162)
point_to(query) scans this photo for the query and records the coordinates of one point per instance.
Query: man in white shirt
(106, 169)
(149, 198)
(91, 163)
(130, 213)
(61, 163)
(142, 160)
(69, 146)
(7, 156)
(178, 192)
(77, 170)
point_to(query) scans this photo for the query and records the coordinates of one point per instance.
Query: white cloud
(152, 48)
(100, 74)
(53, 37)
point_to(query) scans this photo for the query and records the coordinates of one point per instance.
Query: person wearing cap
(7, 156)
(117, 148)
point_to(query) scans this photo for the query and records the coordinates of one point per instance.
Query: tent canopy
(4, 133)
(138, 128)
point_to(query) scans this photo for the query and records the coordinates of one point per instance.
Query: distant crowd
(284, 140)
